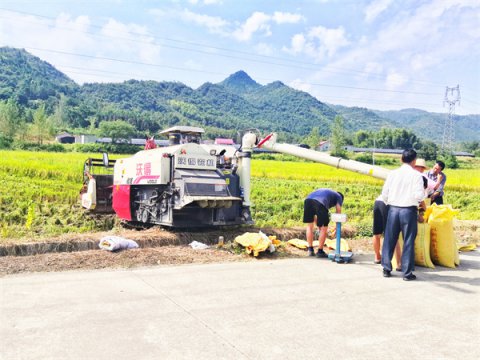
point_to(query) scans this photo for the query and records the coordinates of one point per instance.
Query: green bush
(20, 145)
(366, 158)
(5, 142)
(451, 161)
(110, 148)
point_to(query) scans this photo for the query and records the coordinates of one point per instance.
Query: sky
(376, 54)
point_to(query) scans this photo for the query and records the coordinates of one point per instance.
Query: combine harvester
(189, 184)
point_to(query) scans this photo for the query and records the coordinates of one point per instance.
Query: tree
(428, 150)
(363, 138)
(9, 119)
(117, 130)
(338, 138)
(450, 160)
(60, 116)
(471, 146)
(313, 139)
(42, 126)
(92, 120)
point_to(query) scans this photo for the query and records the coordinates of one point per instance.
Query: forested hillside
(223, 109)
(431, 124)
(27, 79)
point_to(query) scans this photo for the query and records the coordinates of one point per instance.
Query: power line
(294, 63)
(222, 74)
(118, 75)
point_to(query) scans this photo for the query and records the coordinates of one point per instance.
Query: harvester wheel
(144, 215)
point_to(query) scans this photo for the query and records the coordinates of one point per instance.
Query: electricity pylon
(452, 96)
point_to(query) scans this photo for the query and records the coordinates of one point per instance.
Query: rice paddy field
(39, 193)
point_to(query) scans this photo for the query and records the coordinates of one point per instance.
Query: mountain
(290, 109)
(240, 83)
(430, 125)
(26, 78)
(223, 109)
(362, 118)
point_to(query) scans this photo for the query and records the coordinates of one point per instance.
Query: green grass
(39, 193)
(278, 190)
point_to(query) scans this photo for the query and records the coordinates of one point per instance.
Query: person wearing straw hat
(421, 165)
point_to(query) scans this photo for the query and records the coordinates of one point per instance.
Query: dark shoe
(398, 269)
(377, 261)
(386, 273)
(321, 254)
(410, 277)
(311, 252)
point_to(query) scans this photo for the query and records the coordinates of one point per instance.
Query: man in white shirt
(403, 191)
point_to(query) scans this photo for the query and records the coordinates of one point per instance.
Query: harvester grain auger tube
(244, 170)
(270, 142)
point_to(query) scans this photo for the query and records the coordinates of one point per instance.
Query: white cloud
(191, 64)
(416, 43)
(214, 24)
(286, 18)
(375, 8)
(63, 40)
(395, 80)
(258, 21)
(264, 49)
(301, 85)
(372, 68)
(420, 62)
(329, 39)
(298, 43)
(129, 37)
(206, 2)
(319, 42)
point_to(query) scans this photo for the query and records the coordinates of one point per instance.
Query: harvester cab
(96, 192)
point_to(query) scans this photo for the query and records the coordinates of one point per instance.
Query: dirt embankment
(161, 247)
(157, 247)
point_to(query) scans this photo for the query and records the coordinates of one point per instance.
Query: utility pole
(452, 96)
(373, 151)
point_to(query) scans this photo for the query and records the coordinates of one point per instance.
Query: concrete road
(283, 309)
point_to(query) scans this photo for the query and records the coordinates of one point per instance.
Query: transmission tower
(452, 96)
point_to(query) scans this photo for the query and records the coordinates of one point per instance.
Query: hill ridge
(223, 108)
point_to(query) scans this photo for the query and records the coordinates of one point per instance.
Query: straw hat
(421, 163)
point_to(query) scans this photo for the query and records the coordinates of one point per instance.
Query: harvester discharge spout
(270, 142)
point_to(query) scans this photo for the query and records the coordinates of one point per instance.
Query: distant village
(66, 138)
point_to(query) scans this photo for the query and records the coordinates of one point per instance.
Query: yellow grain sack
(443, 247)
(422, 247)
(253, 242)
(332, 244)
(301, 244)
(468, 247)
(274, 240)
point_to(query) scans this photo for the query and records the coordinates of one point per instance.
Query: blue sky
(379, 54)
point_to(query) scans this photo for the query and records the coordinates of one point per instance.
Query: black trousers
(400, 220)
(438, 200)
